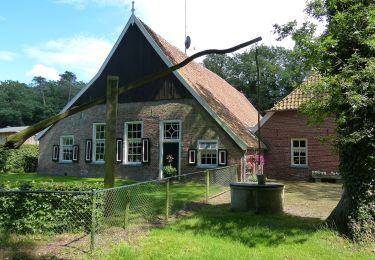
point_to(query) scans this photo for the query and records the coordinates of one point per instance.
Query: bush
(48, 212)
(24, 159)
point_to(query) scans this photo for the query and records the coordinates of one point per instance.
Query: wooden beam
(110, 131)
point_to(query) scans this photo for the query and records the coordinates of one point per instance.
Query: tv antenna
(187, 38)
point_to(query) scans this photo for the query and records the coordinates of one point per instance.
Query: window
(207, 153)
(133, 142)
(66, 148)
(98, 142)
(88, 150)
(192, 153)
(299, 152)
(223, 157)
(171, 130)
(145, 150)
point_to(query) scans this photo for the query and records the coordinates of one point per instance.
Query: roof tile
(233, 108)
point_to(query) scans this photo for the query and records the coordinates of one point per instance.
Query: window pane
(302, 143)
(134, 142)
(172, 130)
(295, 143)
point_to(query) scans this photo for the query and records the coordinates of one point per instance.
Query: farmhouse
(192, 116)
(294, 149)
(9, 130)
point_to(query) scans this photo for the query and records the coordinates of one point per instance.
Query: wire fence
(94, 218)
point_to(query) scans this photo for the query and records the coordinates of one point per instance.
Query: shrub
(24, 159)
(48, 212)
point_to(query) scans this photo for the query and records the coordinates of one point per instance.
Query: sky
(47, 37)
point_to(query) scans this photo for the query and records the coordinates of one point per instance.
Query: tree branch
(16, 140)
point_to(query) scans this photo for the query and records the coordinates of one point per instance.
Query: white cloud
(220, 23)
(7, 56)
(43, 71)
(81, 4)
(81, 54)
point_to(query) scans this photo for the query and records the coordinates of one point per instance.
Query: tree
(344, 56)
(280, 71)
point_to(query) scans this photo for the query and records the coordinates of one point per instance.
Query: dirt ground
(303, 199)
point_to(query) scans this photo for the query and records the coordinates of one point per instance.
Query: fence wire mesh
(99, 217)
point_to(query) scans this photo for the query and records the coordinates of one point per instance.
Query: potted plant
(169, 170)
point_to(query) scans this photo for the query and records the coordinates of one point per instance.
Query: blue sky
(47, 37)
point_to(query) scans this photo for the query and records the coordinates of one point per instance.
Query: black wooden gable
(134, 58)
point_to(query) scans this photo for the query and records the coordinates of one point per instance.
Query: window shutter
(75, 153)
(223, 160)
(146, 150)
(119, 149)
(192, 156)
(88, 150)
(55, 153)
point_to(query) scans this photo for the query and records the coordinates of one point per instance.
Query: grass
(214, 232)
(28, 177)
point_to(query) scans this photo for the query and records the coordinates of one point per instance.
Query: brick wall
(196, 124)
(277, 132)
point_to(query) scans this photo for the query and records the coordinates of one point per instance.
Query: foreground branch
(16, 140)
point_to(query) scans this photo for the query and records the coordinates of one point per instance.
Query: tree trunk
(339, 217)
(110, 132)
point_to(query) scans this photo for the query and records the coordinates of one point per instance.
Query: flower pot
(261, 179)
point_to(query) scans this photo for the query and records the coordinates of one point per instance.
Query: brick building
(295, 149)
(192, 114)
(10, 130)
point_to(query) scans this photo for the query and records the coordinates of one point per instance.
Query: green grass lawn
(26, 177)
(214, 232)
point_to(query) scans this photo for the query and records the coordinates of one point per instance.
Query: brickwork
(277, 132)
(195, 121)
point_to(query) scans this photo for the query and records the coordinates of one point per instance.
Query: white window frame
(293, 149)
(164, 140)
(94, 140)
(126, 142)
(62, 148)
(199, 164)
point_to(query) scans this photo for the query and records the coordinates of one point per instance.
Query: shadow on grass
(13, 248)
(248, 228)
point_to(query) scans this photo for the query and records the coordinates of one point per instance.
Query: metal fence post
(235, 167)
(127, 209)
(167, 200)
(207, 185)
(93, 224)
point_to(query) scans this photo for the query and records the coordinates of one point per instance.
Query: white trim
(199, 165)
(200, 100)
(292, 149)
(93, 154)
(61, 153)
(125, 144)
(264, 119)
(162, 141)
(83, 90)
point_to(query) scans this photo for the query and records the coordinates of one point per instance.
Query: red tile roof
(231, 106)
(296, 98)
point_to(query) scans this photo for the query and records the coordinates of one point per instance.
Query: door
(171, 154)
(170, 143)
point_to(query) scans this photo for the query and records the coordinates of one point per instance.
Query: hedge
(24, 159)
(48, 212)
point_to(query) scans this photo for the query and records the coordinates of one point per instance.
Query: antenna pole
(258, 90)
(185, 26)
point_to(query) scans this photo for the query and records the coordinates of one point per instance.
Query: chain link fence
(90, 219)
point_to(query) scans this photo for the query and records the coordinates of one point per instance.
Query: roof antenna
(187, 38)
(133, 8)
